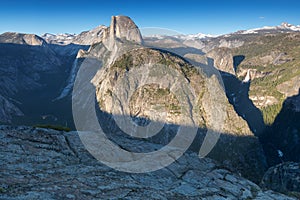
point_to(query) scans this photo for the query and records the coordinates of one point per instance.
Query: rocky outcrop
(223, 43)
(274, 57)
(90, 37)
(9, 109)
(284, 178)
(46, 164)
(290, 87)
(263, 101)
(223, 59)
(129, 74)
(19, 38)
(124, 28)
(121, 28)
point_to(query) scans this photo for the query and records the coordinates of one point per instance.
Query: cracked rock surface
(46, 164)
(284, 177)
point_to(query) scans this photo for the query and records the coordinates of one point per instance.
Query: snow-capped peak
(286, 25)
(84, 38)
(194, 36)
(61, 38)
(283, 27)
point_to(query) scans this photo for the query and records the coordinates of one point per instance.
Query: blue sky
(189, 16)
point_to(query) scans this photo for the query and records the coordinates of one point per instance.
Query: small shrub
(2, 190)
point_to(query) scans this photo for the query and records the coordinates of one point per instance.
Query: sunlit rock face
(121, 27)
(124, 28)
(19, 38)
(223, 59)
(147, 84)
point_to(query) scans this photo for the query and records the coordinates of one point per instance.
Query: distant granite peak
(121, 27)
(21, 38)
(124, 27)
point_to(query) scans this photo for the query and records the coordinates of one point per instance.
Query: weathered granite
(46, 164)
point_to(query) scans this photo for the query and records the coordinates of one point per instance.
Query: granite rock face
(124, 28)
(223, 59)
(283, 178)
(130, 78)
(8, 110)
(31, 73)
(19, 38)
(90, 37)
(121, 28)
(46, 164)
(146, 78)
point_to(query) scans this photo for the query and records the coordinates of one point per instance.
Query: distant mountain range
(84, 38)
(67, 38)
(284, 27)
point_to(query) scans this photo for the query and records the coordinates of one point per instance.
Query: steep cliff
(31, 74)
(148, 84)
